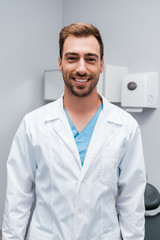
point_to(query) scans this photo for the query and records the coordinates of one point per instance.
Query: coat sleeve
(21, 169)
(131, 187)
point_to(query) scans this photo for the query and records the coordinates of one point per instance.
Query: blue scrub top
(83, 138)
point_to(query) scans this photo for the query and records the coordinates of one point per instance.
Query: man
(77, 153)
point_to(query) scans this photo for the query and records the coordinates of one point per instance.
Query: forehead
(81, 45)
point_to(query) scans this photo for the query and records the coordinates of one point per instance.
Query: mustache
(80, 75)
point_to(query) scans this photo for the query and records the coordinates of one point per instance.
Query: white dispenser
(53, 85)
(113, 76)
(139, 90)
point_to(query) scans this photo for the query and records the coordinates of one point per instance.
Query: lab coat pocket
(110, 165)
(39, 234)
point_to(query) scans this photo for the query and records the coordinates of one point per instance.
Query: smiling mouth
(81, 80)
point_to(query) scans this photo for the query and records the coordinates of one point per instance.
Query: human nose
(81, 68)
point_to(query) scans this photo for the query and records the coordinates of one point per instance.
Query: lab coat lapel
(62, 128)
(60, 125)
(101, 135)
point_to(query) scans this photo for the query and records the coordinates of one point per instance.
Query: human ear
(60, 64)
(102, 65)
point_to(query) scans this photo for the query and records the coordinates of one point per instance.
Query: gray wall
(131, 34)
(28, 45)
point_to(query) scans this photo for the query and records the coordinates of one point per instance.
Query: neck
(81, 105)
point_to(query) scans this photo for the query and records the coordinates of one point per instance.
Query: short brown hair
(80, 30)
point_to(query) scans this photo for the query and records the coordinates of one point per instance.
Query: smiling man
(75, 155)
(81, 65)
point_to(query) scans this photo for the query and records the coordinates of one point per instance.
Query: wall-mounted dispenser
(113, 76)
(139, 90)
(53, 85)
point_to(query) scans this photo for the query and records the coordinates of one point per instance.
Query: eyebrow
(76, 54)
(70, 53)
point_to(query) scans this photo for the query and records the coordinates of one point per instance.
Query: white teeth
(81, 80)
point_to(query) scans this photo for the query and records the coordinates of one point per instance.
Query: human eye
(91, 59)
(71, 58)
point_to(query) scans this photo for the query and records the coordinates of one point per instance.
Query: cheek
(69, 69)
(96, 70)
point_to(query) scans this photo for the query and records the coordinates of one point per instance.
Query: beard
(80, 91)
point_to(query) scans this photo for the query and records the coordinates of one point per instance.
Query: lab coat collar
(54, 110)
(111, 112)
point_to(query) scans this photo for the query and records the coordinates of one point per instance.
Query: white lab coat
(75, 202)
